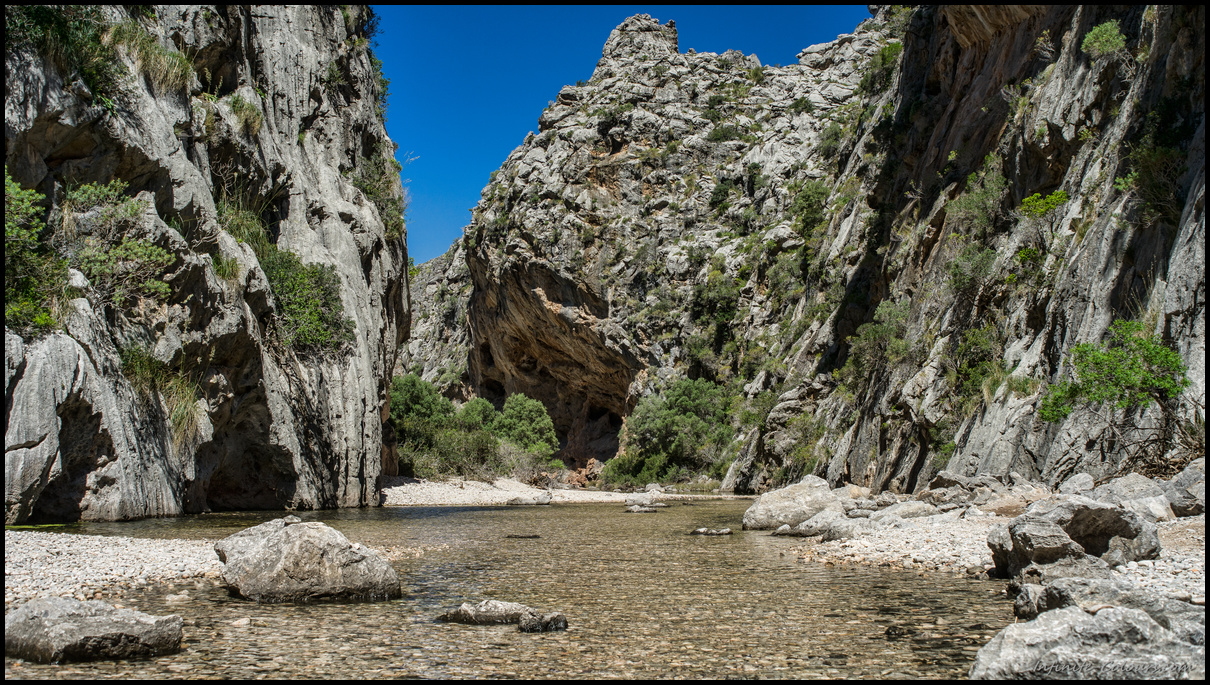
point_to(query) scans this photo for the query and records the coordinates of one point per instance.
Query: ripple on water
(643, 600)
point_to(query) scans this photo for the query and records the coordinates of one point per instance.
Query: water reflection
(643, 598)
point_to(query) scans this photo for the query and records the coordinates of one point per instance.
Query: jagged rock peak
(639, 36)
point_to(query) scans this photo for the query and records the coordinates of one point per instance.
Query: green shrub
(412, 397)
(978, 359)
(434, 440)
(722, 191)
(882, 341)
(970, 269)
(118, 266)
(378, 178)
(477, 413)
(830, 139)
(309, 313)
(880, 69)
(35, 279)
(524, 422)
(1037, 207)
(978, 208)
(809, 205)
(1132, 371)
(332, 80)
(802, 106)
(724, 132)
(667, 435)
(1104, 40)
(717, 298)
(119, 272)
(1044, 211)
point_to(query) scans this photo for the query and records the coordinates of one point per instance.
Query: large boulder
(286, 560)
(1078, 484)
(1068, 643)
(1029, 540)
(1139, 494)
(1111, 532)
(816, 525)
(906, 510)
(1130, 486)
(1187, 491)
(1187, 621)
(60, 629)
(791, 505)
(1066, 528)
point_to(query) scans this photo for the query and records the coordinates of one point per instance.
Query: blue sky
(467, 83)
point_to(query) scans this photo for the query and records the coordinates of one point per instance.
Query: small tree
(669, 434)
(1106, 41)
(524, 422)
(1043, 212)
(1131, 372)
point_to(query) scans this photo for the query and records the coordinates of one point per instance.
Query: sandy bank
(404, 492)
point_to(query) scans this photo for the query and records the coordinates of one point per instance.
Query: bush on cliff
(34, 277)
(1113, 381)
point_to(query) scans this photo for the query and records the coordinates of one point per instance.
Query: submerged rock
(531, 622)
(711, 531)
(61, 629)
(495, 612)
(286, 560)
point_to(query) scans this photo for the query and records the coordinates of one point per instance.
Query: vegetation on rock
(475, 441)
(673, 434)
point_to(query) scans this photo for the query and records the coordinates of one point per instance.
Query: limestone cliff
(279, 113)
(707, 215)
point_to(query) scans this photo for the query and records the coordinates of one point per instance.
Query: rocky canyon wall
(703, 215)
(278, 118)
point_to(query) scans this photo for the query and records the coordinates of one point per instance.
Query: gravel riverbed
(950, 544)
(38, 564)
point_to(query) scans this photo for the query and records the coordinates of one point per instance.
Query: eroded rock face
(62, 629)
(286, 560)
(275, 427)
(648, 231)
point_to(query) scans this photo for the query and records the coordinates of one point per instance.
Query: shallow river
(643, 600)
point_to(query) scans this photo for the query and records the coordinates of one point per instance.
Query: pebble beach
(950, 544)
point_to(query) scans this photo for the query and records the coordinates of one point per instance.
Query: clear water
(643, 600)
